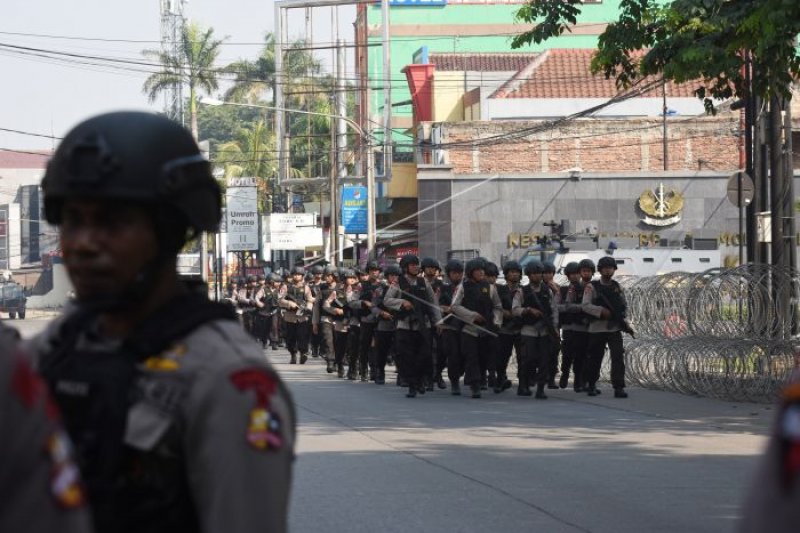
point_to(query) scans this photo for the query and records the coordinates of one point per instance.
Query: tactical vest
(367, 294)
(446, 294)
(418, 296)
(298, 293)
(130, 489)
(477, 298)
(609, 296)
(507, 299)
(270, 300)
(571, 317)
(541, 300)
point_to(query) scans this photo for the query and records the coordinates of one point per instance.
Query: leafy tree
(686, 40)
(193, 66)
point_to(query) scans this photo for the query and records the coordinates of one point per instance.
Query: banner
(242, 217)
(354, 210)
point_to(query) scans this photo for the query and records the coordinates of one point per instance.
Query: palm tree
(193, 66)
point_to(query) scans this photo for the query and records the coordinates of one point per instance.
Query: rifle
(552, 332)
(337, 304)
(300, 311)
(624, 326)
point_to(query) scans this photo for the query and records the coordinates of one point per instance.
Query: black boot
(380, 379)
(476, 391)
(523, 389)
(292, 359)
(331, 366)
(592, 391)
(340, 370)
(428, 384)
(303, 358)
(492, 381)
(455, 388)
(564, 381)
(619, 392)
(440, 382)
(274, 346)
(540, 395)
(365, 374)
(412, 392)
(552, 384)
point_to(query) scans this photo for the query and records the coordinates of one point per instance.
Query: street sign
(748, 189)
(242, 219)
(354, 209)
(294, 231)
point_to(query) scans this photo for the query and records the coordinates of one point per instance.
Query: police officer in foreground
(178, 420)
(40, 485)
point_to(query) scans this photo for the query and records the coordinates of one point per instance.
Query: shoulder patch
(167, 361)
(264, 431)
(65, 482)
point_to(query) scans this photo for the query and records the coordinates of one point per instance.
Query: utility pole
(387, 92)
(664, 124)
(172, 22)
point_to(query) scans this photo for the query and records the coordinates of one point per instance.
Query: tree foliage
(686, 40)
(193, 66)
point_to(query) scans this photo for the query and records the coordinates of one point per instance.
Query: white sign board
(242, 219)
(294, 231)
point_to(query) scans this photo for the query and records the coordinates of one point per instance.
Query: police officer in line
(548, 277)
(431, 270)
(268, 311)
(509, 339)
(322, 322)
(412, 299)
(316, 281)
(41, 490)
(450, 328)
(477, 304)
(297, 301)
(335, 320)
(533, 305)
(247, 303)
(386, 324)
(352, 289)
(605, 301)
(574, 325)
(156, 383)
(491, 273)
(369, 290)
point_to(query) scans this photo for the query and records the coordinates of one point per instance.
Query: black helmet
(347, 273)
(330, 270)
(373, 265)
(251, 279)
(298, 270)
(392, 270)
(138, 157)
(408, 260)
(586, 263)
(571, 268)
(275, 278)
(454, 265)
(491, 270)
(534, 267)
(430, 262)
(260, 278)
(606, 261)
(511, 265)
(316, 270)
(478, 263)
(549, 267)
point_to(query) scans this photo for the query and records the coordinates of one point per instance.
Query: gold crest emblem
(662, 206)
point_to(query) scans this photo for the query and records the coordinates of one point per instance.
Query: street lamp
(365, 138)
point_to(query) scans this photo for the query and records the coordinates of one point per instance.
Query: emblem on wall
(662, 207)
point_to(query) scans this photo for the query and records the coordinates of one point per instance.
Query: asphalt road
(370, 459)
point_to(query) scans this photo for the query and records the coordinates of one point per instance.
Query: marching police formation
(460, 323)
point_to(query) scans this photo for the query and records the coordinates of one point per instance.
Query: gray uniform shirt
(599, 325)
(215, 396)
(573, 303)
(296, 312)
(40, 487)
(538, 329)
(468, 316)
(394, 300)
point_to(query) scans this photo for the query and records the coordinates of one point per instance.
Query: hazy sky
(44, 96)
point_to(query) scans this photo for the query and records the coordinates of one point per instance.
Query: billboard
(242, 215)
(354, 210)
(294, 231)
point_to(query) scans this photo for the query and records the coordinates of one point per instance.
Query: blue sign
(354, 209)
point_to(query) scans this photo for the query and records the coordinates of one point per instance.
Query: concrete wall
(448, 89)
(481, 214)
(57, 297)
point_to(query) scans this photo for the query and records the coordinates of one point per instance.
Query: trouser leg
(274, 329)
(408, 346)
(303, 332)
(616, 351)
(595, 352)
(383, 343)
(366, 354)
(352, 349)
(578, 346)
(451, 345)
(291, 337)
(339, 346)
(425, 360)
(327, 340)
(543, 349)
(472, 367)
(524, 360)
